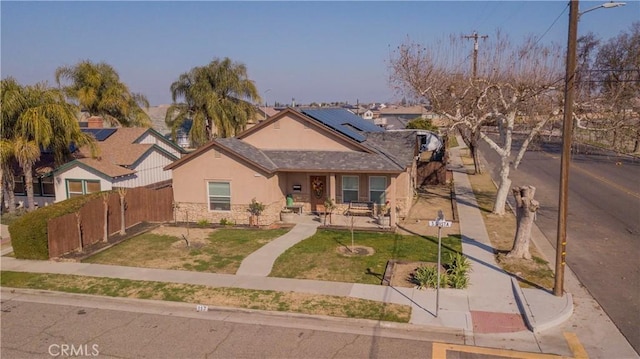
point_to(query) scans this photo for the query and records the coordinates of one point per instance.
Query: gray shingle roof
(247, 151)
(399, 144)
(331, 161)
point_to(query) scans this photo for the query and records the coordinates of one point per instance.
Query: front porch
(338, 220)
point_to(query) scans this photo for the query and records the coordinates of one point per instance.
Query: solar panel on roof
(100, 134)
(343, 121)
(105, 133)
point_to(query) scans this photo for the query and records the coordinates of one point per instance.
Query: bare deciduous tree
(514, 86)
(608, 102)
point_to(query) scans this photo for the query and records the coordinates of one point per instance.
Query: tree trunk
(79, 228)
(122, 193)
(470, 137)
(11, 196)
(503, 187)
(526, 208)
(28, 182)
(105, 204)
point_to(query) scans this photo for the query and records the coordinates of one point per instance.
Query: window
(350, 186)
(41, 186)
(76, 187)
(377, 188)
(92, 186)
(18, 185)
(219, 196)
(48, 188)
(37, 189)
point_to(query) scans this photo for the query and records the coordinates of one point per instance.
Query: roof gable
(119, 151)
(294, 130)
(234, 146)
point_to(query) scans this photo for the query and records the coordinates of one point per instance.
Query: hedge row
(29, 233)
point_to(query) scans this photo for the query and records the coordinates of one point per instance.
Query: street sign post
(439, 222)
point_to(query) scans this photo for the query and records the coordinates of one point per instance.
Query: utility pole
(475, 38)
(567, 128)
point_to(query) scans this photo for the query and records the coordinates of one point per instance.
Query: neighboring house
(129, 157)
(368, 115)
(397, 117)
(43, 183)
(311, 155)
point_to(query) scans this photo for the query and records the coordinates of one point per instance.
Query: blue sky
(310, 51)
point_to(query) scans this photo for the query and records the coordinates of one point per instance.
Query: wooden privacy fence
(75, 231)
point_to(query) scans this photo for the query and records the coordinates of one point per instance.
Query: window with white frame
(219, 196)
(377, 188)
(350, 187)
(79, 187)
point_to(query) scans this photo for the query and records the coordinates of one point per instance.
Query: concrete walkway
(260, 262)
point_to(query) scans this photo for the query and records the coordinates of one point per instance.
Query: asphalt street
(173, 330)
(43, 324)
(603, 229)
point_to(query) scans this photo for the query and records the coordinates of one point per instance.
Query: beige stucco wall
(247, 182)
(290, 133)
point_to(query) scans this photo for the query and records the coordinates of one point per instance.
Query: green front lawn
(221, 252)
(319, 256)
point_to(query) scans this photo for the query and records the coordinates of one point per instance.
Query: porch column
(392, 201)
(332, 187)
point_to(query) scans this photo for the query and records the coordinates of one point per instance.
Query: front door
(318, 191)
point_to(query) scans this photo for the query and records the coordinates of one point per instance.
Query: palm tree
(97, 90)
(6, 174)
(12, 103)
(218, 98)
(34, 118)
(27, 153)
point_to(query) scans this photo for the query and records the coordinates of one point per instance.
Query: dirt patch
(425, 208)
(195, 237)
(192, 234)
(401, 273)
(350, 251)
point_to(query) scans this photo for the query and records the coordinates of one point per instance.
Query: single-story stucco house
(309, 155)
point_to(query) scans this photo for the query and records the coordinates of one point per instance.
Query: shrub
(225, 222)
(456, 274)
(426, 277)
(29, 232)
(203, 223)
(256, 207)
(458, 268)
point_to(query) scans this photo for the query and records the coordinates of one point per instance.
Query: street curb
(189, 310)
(534, 323)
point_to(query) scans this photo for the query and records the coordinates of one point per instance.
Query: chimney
(94, 122)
